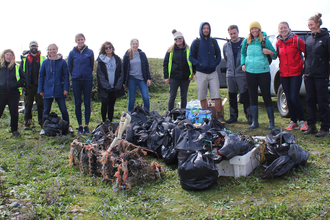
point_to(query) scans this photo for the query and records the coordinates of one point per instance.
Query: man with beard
(30, 64)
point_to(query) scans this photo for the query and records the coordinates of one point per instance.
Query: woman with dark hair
(54, 82)
(11, 80)
(110, 78)
(255, 49)
(289, 48)
(317, 56)
(136, 74)
(81, 64)
(177, 68)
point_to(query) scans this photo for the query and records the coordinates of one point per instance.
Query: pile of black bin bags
(282, 154)
(175, 139)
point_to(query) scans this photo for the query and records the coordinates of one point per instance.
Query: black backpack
(263, 45)
(54, 125)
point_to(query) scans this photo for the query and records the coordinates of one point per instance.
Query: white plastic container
(240, 165)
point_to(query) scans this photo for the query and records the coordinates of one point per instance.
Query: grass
(38, 176)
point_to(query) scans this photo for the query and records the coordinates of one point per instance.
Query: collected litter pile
(114, 158)
(282, 154)
(196, 149)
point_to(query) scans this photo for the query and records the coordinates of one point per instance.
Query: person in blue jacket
(54, 82)
(205, 55)
(136, 74)
(81, 64)
(255, 63)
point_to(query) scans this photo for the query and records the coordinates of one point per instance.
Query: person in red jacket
(289, 48)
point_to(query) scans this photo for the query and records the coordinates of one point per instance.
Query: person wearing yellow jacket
(178, 70)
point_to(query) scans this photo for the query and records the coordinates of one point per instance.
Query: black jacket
(144, 66)
(103, 79)
(317, 55)
(180, 68)
(8, 81)
(27, 69)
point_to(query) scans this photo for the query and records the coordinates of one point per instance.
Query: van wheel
(282, 105)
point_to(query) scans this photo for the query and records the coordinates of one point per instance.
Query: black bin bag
(169, 153)
(54, 125)
(197, 171)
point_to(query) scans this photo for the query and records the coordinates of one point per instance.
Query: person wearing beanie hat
(255, 49)
(177, 69)
(205, 55)
(31, 62)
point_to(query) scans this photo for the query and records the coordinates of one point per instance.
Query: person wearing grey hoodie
(110, 78)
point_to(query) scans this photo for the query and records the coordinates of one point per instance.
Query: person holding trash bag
(136, 74)
(236, 77)
(110, 78)
(255, 53)
(30, 64)
(317, 56)
(81, 64)
(178, 70)
(54, 82)
(11, 80)
(289, 48)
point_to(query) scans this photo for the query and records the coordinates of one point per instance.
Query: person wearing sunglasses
(177, 69)
(110, 78)
(81, 64)
(136, 74)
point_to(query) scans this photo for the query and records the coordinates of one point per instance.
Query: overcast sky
(150, 21)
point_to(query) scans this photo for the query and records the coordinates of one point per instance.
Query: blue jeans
(132, 84)
(291, 87)
(61, 105)
(82, 87)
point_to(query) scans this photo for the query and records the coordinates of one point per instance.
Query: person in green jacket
(255, 49)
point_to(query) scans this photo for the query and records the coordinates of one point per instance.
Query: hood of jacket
(58, 57)
(290, 35)
(324, 31)
(103, 58)
(201, 30)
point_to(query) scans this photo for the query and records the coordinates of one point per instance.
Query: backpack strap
(197, 47)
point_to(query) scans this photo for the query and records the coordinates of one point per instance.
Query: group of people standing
(248, 69)
(46, 79)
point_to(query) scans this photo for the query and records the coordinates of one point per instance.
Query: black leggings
(12, 101)
(261, 80)
(108, 105)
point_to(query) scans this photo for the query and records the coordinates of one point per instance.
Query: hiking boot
(27, 124)
(311, 129)
(321, 133)
(292, 126)
(80, 130)
(70, 129)
(16, 133)
(86, 130)
(303, 126)
(249, 120)
(232, 119)
(220, 118)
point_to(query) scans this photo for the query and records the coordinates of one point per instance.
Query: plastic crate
(240, 165)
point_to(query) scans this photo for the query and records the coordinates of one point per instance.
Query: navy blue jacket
(208, 56)
(103, 79)
(81, 64)
(317, 55)
(144, 66)
(54, 78)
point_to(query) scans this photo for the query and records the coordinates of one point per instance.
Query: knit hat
(177, 34)
(33, 43)
(255, 24)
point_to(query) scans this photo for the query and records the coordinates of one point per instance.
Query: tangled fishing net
(113, 158)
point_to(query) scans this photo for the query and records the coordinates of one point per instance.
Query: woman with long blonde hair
(136, 74)
(254, 60)
(11, 81)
